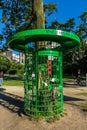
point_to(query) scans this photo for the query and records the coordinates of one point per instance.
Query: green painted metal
(43, 85)
(66, 40)
(48, 53)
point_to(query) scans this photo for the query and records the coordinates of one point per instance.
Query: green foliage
(82, 28)
(77, 58)
(18, 15)
(68, 25)
(5, 63)
(49, 8)
(12, 72)
(9, 66)
(16, 68)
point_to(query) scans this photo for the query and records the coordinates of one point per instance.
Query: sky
(66, 9)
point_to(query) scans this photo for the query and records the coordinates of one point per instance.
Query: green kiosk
(43, 86)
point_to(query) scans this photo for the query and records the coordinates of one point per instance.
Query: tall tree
(79, 56)
(39, 18)
(18, 15)
(82, 33)
(82, 28)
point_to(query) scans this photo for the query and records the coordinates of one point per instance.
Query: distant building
(19, 57)
(15, 57)
(85, 39)
(8, 53)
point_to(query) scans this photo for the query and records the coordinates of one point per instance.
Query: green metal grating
(43, 87)
(43, 83)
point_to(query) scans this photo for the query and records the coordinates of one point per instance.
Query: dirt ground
(13, 118)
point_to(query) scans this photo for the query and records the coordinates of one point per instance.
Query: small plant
(53, 119)
(84, 106)
(83, 94)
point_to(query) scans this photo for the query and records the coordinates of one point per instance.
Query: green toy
(43, 86)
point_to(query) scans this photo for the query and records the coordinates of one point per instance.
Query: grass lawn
(10, 82)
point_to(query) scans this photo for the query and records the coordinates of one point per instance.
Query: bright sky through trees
(66, 9)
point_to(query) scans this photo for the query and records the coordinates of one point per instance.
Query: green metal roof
(67, 40)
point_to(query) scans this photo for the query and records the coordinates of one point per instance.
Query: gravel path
(12, 117)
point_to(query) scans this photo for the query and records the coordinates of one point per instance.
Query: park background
(65, 15)
(12, 92)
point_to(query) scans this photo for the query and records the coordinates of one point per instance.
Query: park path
(12, 117)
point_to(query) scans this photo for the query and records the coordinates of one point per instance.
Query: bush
(13, 72)
(16, 68)
(5, 63)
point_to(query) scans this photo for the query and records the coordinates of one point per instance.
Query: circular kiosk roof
(66, 40)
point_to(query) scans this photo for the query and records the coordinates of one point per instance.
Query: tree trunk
(39, 22)
(39, 18)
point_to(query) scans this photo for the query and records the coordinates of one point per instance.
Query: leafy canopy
(18, 15)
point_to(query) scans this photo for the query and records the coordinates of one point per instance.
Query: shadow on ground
(2, 89)
(73, 83)
(68, 98)
(74, 101)
(12, 102)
